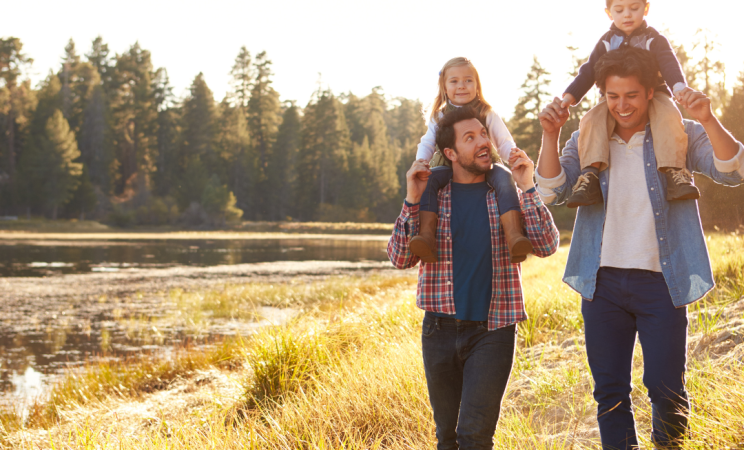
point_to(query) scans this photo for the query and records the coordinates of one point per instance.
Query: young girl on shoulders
(459, 86)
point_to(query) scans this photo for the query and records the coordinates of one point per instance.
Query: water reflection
(38, 259)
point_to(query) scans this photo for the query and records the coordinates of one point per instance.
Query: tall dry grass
(348, 374)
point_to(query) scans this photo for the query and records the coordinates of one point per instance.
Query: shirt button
(448, 215)
(657, 214)
(661, 239)
(448, 263)
(448, 238)
(664, 264)
(648, 164)
(647, 140)
(603, 183)
(652, 189)
(449, 282)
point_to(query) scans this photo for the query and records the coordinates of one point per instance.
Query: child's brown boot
(679, 185)
(519, 245)
(425, 244)
(586, 191)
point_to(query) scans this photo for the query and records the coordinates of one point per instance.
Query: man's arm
(407, 223)
(697, 105)
(712, 151)
(556, 174)
(538, 221)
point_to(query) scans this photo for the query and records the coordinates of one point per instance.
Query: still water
(43, 336)
(40, 259)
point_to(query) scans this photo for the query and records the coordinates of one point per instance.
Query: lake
(69, 300)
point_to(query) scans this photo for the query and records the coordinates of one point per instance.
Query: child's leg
(670, 139)
(510, 214)
(500, 178)
(440, 176)
(595, 130)
(425, 244)
(670, 148)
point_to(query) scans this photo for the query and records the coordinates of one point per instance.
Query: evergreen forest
(105, 138)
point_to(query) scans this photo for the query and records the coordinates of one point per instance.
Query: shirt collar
(634, 140)
(640, 30)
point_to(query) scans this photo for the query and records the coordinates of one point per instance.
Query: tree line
(104, 137)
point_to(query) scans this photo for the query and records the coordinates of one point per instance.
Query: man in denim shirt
(637, 260)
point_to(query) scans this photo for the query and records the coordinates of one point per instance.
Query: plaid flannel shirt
(434, 291)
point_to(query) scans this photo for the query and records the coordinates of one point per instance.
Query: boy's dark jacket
(644, 37)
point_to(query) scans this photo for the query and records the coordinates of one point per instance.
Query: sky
(354, 46)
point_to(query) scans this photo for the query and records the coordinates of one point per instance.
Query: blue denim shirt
(682, 250)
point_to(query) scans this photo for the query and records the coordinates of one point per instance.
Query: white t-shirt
(629, 238)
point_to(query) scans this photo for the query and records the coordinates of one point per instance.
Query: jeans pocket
(428, 327)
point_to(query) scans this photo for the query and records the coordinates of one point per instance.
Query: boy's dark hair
(627, 62)
(446, 133)
(609, 3)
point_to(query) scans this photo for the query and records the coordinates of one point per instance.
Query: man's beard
(474, 168)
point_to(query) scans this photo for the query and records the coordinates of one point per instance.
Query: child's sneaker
(425, 244)
(679, 185)
(586, 191)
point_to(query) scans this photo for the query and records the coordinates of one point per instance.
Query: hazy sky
(397, 44)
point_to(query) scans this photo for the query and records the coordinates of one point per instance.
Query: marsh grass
(348, 374)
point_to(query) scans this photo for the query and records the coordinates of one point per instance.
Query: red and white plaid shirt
(434, 291)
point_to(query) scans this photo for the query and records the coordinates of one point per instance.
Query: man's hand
(416, 179)
(553, 117)
(522, 169)
(697, 105)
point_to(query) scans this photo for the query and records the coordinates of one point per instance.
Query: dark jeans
(629, 302)
(499, 177)
(467, 368)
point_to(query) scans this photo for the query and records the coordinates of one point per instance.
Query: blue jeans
(467, 368)
(499, 177)
(629, 302)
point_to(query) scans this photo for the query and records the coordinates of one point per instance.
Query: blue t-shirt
(472, 266)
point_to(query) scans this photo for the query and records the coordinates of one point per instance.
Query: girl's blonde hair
(440, 101)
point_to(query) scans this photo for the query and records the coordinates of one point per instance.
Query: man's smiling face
(473, 148)
(627, 100)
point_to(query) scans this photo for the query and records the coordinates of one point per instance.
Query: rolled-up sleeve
(735, 164)
(406, 226)
(546, 186)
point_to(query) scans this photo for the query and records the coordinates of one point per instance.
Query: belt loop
(439, 323)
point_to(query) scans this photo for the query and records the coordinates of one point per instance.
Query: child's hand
(681, 93)
(513, 156)
(568, 100)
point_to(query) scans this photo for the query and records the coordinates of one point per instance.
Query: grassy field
(347, 373)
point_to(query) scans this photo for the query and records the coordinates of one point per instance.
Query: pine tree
(49, 167)
(324, 154)
(99, 58)
(242, 79)
(406, 126)
(524, 125)
(167, 171)
(264, 116)
(134, 118)
(198, 150)
(16, 103)
(234, 147)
